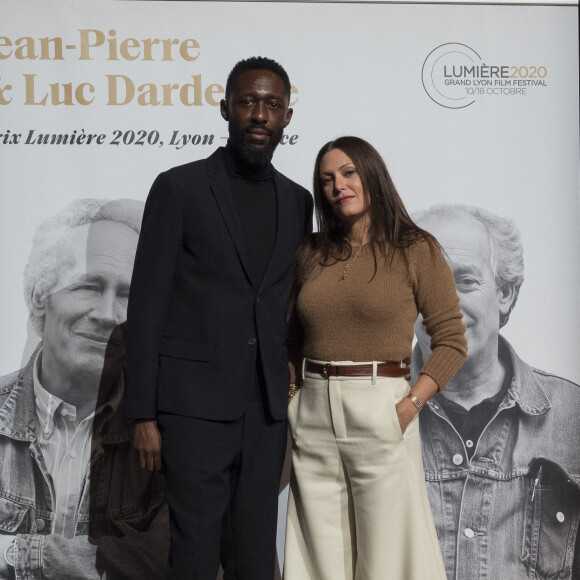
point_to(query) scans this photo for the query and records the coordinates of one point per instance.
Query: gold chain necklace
(349, 264)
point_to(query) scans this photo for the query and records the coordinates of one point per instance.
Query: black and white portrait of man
(73, 501)
(500, 442)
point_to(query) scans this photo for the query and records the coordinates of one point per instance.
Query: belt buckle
(326, 370)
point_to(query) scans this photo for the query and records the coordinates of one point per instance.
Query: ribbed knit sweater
(366, 318)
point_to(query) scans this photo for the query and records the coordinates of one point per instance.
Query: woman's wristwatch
(415, 401)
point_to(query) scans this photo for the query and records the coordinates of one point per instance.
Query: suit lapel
(283, 197)
(220, 187)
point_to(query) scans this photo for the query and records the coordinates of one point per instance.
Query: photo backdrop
(473, 105)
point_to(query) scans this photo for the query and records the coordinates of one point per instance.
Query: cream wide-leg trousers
(358, 506)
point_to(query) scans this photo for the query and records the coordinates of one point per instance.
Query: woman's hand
(423, 389)
(405, 413)
(292, 392)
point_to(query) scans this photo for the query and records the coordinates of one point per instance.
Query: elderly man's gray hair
(50, 252)
(507, 252)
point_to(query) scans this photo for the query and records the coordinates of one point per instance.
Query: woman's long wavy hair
(390, 226)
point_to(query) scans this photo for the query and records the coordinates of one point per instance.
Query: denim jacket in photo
(513, 510)
(121, 528)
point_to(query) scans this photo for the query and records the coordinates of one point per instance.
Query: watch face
(11, 553)
(415, 401)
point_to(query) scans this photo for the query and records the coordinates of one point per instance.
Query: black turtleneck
(255, 197)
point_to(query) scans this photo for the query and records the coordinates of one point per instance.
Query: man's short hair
(506, 250)
(257, 63)
(50, 253)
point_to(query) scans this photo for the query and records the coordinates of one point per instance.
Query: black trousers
(223, 472)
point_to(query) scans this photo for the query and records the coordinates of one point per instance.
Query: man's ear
(288, 118)
(38, 311)
(224, 109)
(38, 306)
(506, 296)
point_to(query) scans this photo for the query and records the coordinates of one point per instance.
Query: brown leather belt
(386, 369)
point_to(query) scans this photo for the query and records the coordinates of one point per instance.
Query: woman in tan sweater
(358, 506)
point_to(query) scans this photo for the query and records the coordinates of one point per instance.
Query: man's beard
(250, 153)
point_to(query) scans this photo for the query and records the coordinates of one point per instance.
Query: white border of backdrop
(357, 68)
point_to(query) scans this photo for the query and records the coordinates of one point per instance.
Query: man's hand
(148, 444)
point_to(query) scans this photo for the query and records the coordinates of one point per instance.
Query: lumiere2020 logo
(454, 75)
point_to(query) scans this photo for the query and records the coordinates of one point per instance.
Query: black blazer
(195, 322)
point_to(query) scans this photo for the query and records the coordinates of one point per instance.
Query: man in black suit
(207, 365)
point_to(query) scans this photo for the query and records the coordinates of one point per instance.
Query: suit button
(252, 341)
(257, 299)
